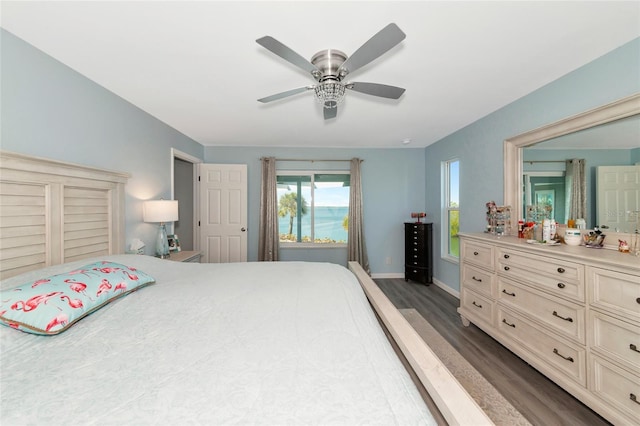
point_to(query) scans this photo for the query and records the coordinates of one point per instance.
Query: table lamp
(160, 211)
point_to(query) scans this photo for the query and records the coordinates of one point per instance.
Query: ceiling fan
(329, 68)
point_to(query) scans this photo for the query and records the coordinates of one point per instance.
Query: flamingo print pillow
(53, 304)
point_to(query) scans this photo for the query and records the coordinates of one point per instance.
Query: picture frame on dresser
(174, 243)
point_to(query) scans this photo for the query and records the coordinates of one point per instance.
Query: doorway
(223, 212)
(184, 176)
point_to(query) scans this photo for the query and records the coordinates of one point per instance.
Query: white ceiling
(196, 65)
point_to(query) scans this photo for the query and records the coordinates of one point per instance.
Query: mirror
(513, 147)
(547, 176)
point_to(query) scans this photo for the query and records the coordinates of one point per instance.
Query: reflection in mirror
(545, 168)
(535, 161)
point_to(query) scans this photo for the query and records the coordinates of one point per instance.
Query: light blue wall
(51, 111)
(479, 146)
(393, 184)
(635, 156)
(593, 158)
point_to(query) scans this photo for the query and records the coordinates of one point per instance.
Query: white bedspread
(285, 343)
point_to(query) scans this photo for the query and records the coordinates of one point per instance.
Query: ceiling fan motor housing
(329, 62)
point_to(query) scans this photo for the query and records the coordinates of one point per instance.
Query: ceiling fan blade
(286, 53)
(375, 89)
(284, 94)
(376, 46)
(330, 109)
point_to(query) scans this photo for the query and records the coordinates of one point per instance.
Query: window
(313, 207)
(451, 216)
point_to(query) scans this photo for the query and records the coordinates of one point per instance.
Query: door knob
(243, 229)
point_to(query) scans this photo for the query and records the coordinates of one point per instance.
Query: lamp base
(162, 245)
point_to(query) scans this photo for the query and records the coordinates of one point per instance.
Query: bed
(251, 343)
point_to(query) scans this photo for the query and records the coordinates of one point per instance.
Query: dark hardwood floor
(540, 400)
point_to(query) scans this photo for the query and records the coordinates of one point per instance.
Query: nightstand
(185, 256)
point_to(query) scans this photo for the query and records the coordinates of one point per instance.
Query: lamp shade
(160, 211)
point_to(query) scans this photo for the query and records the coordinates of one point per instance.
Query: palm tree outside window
(313, 207)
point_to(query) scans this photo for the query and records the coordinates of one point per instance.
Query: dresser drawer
(616, 386)
(414, 242)
(421, 275)
(417, 227)
(476, 306)
(553, 350)
(478, 254)
(614, 292)
(561, 316)
(615, 339)
(563, 278)
(416, 256)
(478, 280)
(417, 234)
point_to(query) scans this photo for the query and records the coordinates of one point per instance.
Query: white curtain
(356, 245)
(269, 236)
(576, 189)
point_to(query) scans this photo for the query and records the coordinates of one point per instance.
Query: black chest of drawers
(418, 252)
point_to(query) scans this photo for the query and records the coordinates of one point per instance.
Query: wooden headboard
(53, 212)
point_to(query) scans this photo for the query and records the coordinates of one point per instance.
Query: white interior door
(618, 193)
(223, 212)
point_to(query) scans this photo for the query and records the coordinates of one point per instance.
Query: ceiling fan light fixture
(330, 93)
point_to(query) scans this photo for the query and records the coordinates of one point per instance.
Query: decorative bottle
(546, 230)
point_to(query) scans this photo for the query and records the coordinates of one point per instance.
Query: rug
(499, 410)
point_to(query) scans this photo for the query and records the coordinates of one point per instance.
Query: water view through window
(313, 208)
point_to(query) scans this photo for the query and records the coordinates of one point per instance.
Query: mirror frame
(513, 169)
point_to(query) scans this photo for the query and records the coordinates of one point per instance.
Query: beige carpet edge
(497, 408)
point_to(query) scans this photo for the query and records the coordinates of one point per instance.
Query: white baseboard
(454, 293)
(440, 284)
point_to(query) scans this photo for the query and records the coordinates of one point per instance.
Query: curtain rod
(543, 161)
(300, 159)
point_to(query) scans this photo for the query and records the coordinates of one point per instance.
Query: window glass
(452, 208)
(313, 207)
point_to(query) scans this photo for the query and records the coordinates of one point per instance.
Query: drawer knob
(634, 398)
(561, 270)
(507, 293)
(475, 304)
(561, 285)
(509, 324)
(506, 256)
(477, 279)
(569, 319)
(568, 358)
(506, 268)
(475, 253)
(633, 347)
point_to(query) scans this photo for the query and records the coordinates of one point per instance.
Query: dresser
(418, 252)
(573, 313)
